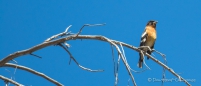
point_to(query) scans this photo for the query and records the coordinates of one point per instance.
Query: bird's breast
(151, 36)
(151, 32)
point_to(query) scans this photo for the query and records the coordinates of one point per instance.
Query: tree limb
(32, 71)
(92, 37)
(10, 80)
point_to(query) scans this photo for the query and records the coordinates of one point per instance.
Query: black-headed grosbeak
(148, 38)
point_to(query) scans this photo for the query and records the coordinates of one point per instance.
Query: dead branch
(165, 61)
(33, 71)
(123, 59)
(90, 26)
(92, 37)
(10, 80)
(35, 55)
(82, 67)
(60, 34)
(113, 59)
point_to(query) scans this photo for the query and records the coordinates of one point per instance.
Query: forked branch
(82, 67)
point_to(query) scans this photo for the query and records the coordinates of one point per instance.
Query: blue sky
(24, 24)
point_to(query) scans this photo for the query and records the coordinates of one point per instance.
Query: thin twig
(123, 59)
(145, 63)
(32, 71)
(117, 70)
(67, 45)
(163, 55)
(143, 49)
(71, 56)
(113, 59)
(12, 74)
(128, 82)
(127, 65)
(142, 53)
(69, 61)
(14, 61)
(165, 61)
(122, 49)
(10, 80)
(11, 77)
(60, 34)
(35, 55)
(89, 25)
(67, 29)
(139, 71)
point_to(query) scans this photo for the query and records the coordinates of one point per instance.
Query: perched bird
(148, 38)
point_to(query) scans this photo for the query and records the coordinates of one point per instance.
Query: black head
(152, 23)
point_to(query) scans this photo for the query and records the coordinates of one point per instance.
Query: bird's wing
(143, 38)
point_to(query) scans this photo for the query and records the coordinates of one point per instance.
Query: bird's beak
(155, 22)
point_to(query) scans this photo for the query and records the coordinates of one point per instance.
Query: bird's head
(152, 23)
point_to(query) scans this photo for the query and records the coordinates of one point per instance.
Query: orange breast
(151, 36)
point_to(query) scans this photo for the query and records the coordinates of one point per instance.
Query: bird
(148, 38)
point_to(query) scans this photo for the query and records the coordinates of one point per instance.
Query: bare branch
(169, 69)
(163, 55)
(122, 57)
(60, 34)
(92, 37)
(122, 49)
(145, 63)
(89, 25)
(165, 61)
(71, 56)
(113, 59)
(117, 70)
(10, 80)
(12, 76)
(67, 45)
(67, 29)
(14, 61)
(138, 71)
(128, 82)
(35, 55)
(33, 71)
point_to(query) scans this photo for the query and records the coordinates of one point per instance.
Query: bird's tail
(140, 62)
